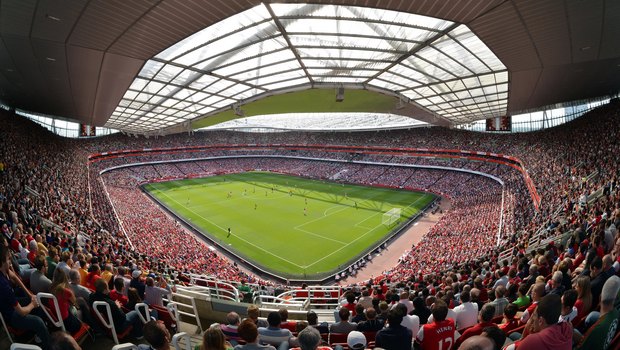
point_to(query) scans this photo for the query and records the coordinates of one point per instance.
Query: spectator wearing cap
(600, 334)
(547, 333)
(356, 340)
(137, 283)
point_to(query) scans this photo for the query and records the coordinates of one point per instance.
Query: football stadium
(310, 175)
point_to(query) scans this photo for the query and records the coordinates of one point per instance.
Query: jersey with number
(439, 335)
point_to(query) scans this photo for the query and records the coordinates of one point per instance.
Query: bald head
(477, 342)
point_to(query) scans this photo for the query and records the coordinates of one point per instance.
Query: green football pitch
(292, 227)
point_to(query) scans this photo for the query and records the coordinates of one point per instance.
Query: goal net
(391, 216)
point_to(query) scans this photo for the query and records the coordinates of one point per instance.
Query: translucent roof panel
(438, 65)
(320, 122)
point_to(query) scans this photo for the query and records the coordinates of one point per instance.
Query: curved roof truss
(438, 65)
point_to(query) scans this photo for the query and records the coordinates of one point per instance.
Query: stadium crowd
(56, 208)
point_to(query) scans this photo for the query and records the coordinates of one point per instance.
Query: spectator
(356, 340)
(66, 301)
(440, 334)
(94, 272)
(372, 324)
(60, 340)
(274, 335)
(214, 339)
(484, 320)
(584, 296)
(523, 300)
(569, 311)
(120, 319)
(19, 312)
(249, 333)
(350, 303)
(157, 335)
(496, 335)
(365, 300)
(117, 294)
(538, 291)
(230, 328)
(600, 334)
(467, 312)
(137, 283)
(285, 323)
(52, 261)
(107, 273)
(38, 280)
(344, 326)
(547, 332)
(153, 295)
(477, 342)
(421, 310)
(313, 321)
(359, 314)
(253, 313)
(510, 320)
(500, 301)
(310, 339)
(557, 287)
(412, 322)
(404, 299)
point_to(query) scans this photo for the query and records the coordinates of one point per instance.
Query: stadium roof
(79, 58)
(319, 122)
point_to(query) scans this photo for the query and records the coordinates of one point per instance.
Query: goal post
(391, 216)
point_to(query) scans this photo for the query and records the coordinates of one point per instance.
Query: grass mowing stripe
(266, 213)
(225, 230)
(361, 236)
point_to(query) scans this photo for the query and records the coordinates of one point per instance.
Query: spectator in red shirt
(484, 320)
(117, 294)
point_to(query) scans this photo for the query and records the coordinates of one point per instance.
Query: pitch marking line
(238, 237)
(355, 240)
(320, 236)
